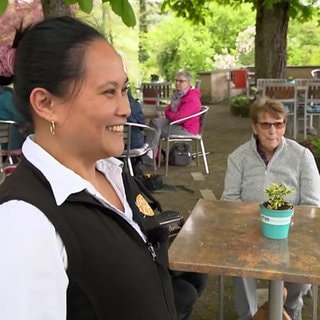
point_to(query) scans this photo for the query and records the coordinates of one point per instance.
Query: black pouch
(172, 220)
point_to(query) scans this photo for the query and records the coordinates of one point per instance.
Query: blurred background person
(185, 101)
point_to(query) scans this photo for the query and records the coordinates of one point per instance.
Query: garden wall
(215, 85)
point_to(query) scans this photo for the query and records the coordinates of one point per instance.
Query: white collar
(62, 180)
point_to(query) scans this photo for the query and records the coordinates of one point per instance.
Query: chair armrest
(139, 125)
(189, 117)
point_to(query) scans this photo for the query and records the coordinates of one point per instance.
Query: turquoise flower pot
(275, 223)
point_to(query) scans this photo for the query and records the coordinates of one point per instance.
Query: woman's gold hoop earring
(52, 127)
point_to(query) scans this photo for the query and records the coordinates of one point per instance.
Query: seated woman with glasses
(185, 101)
(270, 157)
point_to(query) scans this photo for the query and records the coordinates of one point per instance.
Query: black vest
(113, 275)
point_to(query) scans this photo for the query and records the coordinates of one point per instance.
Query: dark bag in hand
(172, 220)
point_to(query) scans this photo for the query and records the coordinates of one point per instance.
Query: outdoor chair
(311, 104)
(198, 84)
(129, 153)
(301, 85)
(197, 138)
(238, 80)
(155, 97)
(262, 82)
(286, 93)
(315, 73)
(10, 155)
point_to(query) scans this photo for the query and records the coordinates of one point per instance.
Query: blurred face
(269, 131)
(182, 83)
(90, 125)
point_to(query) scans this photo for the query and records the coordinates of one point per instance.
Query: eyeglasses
(268, 125)
(181, 81)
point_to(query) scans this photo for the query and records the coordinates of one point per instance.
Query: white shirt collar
(62, 180)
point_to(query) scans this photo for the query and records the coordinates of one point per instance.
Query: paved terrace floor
(223, 133)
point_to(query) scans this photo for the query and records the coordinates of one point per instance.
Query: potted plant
(154, 77)
(240, 106)
(276, 212)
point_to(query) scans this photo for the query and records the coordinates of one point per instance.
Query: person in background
(80, 245)
(136, 116)
(185, 101)
(266, 158)
(9, 112)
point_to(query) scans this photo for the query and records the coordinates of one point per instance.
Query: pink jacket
(190, 103)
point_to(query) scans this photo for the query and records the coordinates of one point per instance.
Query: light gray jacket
(247, 175)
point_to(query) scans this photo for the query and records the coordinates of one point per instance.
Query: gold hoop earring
(52, 127)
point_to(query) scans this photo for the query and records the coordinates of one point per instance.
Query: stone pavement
(185, 185)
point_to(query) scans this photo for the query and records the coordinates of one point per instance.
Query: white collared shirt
(33, 279)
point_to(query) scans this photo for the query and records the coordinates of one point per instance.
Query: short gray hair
(185, 74)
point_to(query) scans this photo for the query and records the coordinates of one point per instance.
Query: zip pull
(152, 252)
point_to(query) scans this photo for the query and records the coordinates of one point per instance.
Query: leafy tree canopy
(120, 7)
(196, 10)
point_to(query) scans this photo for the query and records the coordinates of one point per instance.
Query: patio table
(224, 238)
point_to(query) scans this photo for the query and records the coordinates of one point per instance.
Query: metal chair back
(129, 153)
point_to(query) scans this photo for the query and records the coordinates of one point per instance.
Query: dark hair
(50, 55)
(267, 105)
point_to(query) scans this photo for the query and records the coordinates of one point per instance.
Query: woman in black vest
(78, 240)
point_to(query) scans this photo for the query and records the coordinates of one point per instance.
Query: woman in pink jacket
(185, 101)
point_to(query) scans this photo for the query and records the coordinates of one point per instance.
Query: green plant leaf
(276, 195)
(3, 6)
(315, 143)
(86, 5)
(123, 9)
(71, 1)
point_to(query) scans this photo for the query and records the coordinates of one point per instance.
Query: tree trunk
(55, 8)
(143, 29)
(271, 31)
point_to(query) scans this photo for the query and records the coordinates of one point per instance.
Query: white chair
(262, 82)
(286, 93)
(197, 138)
(301, 85)
(311, 104)
(12, 155)
(315, 73)
(129, 153)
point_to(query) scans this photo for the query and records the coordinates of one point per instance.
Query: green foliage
(302, 10)
(124, 10)
(240, 101)
(124, 39)
(185, 48)
(276, 196)
(315, 146)
(303, 42)
(197, 10)
(182, 45)
(120, 7)
(3, 6)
